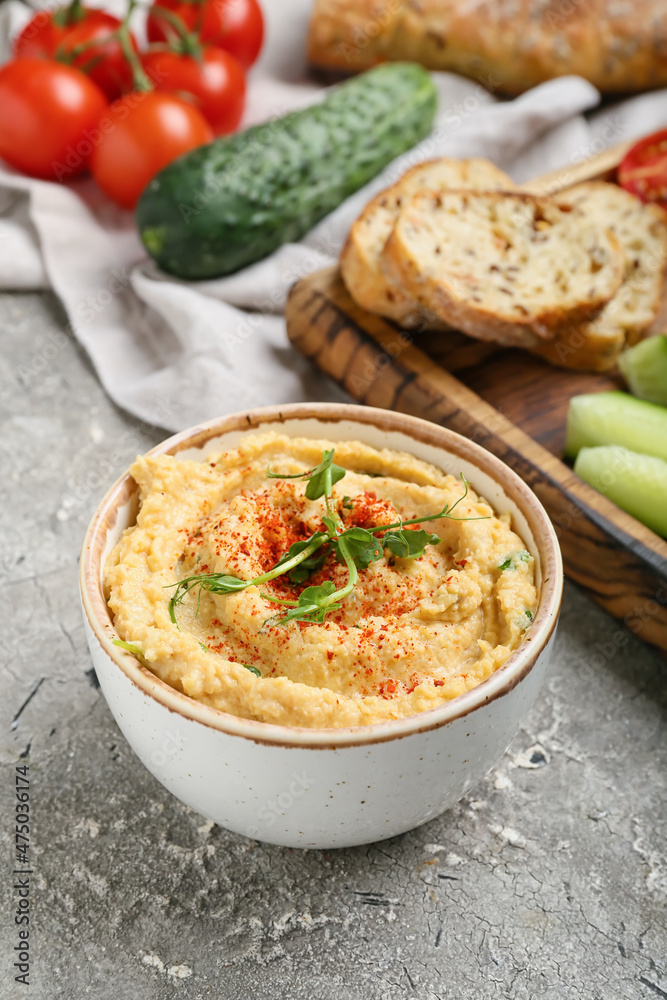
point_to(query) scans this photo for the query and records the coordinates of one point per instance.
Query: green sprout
(354, 547)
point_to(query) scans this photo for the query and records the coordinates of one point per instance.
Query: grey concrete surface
(548, 881)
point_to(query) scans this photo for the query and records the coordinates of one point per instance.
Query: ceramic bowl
(330, 787)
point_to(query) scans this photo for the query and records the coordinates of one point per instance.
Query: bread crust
(454, 292)
(571, 348)
(368, 284)
(642, 231)
(508, 45)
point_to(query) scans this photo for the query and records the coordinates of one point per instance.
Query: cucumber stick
(608, 418)
(636, 483)
(232, 202)
(644, 368)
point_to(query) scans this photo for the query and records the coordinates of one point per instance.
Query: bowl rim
(498, 684)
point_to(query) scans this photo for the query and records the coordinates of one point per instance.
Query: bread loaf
(508, 45)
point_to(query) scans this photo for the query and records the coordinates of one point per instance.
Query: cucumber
(230, 203)
(616, 418)
(636, 483)
(644, 368)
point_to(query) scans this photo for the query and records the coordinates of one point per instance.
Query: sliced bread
(509, 267)
(360, 261)
(642, 232)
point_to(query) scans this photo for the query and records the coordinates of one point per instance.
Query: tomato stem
(140, 79)
(182, 41)
(71, 14)
(200, 16)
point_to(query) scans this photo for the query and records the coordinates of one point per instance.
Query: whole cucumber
(230, 203)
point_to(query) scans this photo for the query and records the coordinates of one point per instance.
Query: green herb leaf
(512, 558)
(202, 645)
(361, 545)
(310, 563)
(445, 512)
(314, 594)
(324, 477)
(222, 583)
(356, 547)
(331, 525)
(298, 547)
(309, 566)
(320, 479)
(253, 670)
(409, 544)
(313, 604)
(131, 647)
(270, 474)
(316, 602)
(524, 620)
(217, 583)
(306, 569)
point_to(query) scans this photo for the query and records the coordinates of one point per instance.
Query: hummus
(412, 634)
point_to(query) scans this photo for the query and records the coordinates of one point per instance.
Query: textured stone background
(548, 881)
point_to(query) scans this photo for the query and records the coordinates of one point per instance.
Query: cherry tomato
(234, 25)
(105, 62)
(215, 83)
(643, 170)
(61, 33)
(48, 118)
(141, 134)
(42, 35)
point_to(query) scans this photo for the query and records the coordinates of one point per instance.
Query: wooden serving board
(509, 402)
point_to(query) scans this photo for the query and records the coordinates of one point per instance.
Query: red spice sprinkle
(369, 511)
(438, 683)
(278, 513)
(388, 688)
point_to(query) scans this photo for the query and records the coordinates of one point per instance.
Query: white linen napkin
(175, 353)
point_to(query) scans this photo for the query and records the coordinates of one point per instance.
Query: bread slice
(360, 260)
(642, 232)
(510, 267)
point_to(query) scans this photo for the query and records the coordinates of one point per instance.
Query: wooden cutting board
(507, 401)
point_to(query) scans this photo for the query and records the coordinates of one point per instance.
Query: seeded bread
(360, 261)
(508, 45)
(509, 267)
(642, 233)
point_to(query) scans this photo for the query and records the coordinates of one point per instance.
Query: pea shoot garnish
(512, 559)
(130, 647)
(354, 547)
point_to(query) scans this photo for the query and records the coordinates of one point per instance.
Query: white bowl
(328, 787)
